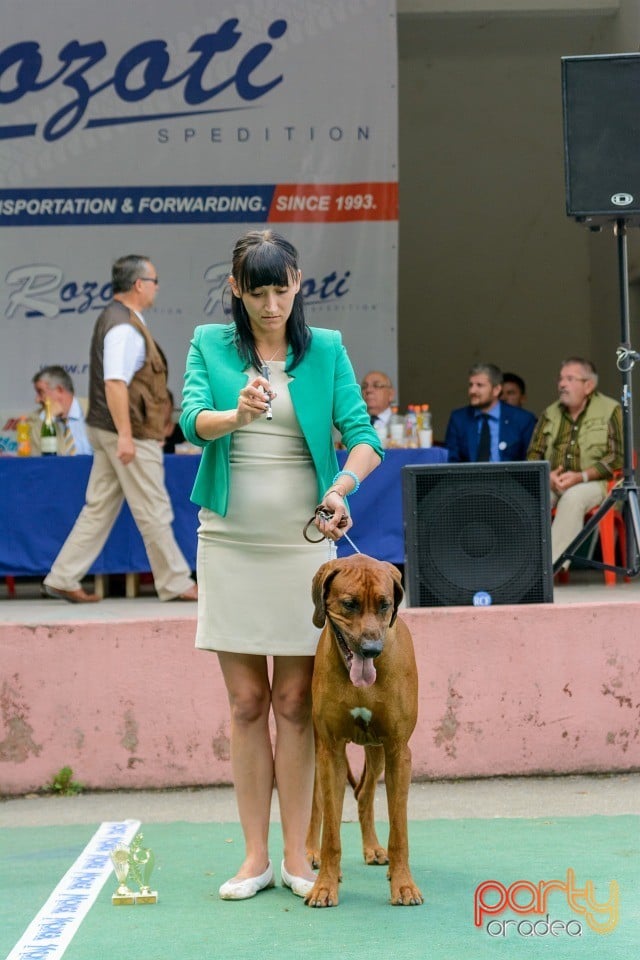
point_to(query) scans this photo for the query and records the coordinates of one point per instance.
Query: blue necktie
(484, 441)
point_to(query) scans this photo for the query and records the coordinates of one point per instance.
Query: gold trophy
(120, 860)
(141, 863)
(137, 862)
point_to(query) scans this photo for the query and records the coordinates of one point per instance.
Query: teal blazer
(324, 392)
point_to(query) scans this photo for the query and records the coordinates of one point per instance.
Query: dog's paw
(375, 856)
(322, 894)
(313, 857)
(405, 894)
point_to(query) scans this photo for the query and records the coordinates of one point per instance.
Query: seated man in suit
(581, 437)
(487, 429)
(53, 383)
(377, 392)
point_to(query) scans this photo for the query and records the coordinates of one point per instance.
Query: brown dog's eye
(385, 605)
(350, 603)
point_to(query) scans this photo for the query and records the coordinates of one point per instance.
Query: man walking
(127, 397)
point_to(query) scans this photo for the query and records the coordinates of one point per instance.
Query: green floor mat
(449, 858)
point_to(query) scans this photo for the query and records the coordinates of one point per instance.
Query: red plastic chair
(610, 526)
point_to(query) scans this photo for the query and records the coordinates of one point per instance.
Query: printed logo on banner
(35, 283)
(41, 290)
(531, 900)
(316, 291)
(231, 108)
(141, 71)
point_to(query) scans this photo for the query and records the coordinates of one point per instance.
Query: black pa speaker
(601, 107)
(477, 533)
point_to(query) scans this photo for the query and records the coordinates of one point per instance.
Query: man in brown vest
(127, 397)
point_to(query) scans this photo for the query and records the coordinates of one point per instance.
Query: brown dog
(365, 690)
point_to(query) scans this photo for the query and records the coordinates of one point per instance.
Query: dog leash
(325, 515)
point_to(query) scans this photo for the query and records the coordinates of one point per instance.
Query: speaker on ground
(601, 108)
(477, 533)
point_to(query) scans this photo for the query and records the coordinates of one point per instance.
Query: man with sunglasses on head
(581, 437)
(127, 399)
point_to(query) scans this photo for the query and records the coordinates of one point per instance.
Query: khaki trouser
(570, 510)
(141, 484)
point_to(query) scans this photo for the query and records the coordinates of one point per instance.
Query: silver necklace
(265, 371)
(265, 363)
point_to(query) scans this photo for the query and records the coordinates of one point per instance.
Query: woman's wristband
(347, 473)
(585, 476)
(337, 490)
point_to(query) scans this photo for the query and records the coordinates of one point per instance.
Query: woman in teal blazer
(256, 483)
(324, 391)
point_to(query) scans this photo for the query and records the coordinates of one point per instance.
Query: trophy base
(123, 899)
(149, 896)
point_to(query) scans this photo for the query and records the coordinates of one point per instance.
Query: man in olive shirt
(581, 437)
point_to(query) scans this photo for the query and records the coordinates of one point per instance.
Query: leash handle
(325, 515)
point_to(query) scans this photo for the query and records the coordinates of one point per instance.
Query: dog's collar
(345, 652)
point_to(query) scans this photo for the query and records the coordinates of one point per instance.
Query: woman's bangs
(266, 266)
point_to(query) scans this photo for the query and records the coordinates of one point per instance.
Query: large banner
(171, 129)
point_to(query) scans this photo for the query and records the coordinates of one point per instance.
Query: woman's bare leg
(247, 682)
(294, 756)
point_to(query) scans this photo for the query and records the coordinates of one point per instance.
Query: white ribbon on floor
(54, 926)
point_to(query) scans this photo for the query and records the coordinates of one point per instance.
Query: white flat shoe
(297, 885)
(244, 889)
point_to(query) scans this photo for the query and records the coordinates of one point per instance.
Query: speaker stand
(626, 492)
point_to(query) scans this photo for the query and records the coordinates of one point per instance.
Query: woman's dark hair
(262, 258)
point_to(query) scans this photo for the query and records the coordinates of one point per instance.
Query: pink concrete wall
(503, 690)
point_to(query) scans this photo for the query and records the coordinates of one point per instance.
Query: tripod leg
(569, 553)
(633, 526)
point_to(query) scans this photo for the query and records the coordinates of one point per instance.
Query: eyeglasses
(573, 379)
(149, 280)
(375, 386)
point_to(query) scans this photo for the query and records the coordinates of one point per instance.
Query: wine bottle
(48, 435)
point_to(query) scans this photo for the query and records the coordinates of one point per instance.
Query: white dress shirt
(125, 351)
(75, 419)
(382, 419)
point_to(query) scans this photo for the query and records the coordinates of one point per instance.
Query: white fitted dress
(254, 565)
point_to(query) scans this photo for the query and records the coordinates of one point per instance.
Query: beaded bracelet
(348, 473)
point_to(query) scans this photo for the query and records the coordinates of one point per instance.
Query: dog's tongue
(362, 672)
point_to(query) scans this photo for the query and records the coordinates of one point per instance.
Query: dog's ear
(398, 592)
(319, 588)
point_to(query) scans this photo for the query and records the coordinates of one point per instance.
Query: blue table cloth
(42, 496)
